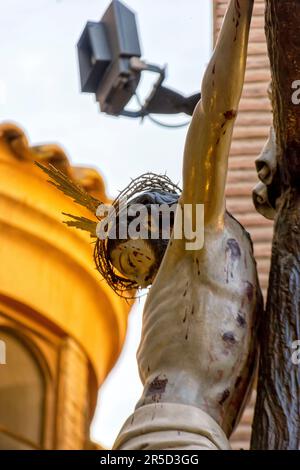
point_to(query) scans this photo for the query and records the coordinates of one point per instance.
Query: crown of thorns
(145, 182)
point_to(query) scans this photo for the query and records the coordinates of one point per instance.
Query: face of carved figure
(139, 259)
(136, 260)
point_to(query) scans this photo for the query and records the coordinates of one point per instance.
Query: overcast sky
(39, 90)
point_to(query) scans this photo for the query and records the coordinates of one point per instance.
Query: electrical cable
(157, 121)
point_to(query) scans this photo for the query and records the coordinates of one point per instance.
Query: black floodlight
(110, 67)
(104, 52)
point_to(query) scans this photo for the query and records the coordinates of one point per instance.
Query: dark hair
(158, 190)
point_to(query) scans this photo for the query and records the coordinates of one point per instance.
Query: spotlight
(110, 67)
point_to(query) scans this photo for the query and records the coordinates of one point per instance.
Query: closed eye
(131, 264)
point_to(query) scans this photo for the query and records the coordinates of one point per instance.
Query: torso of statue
(200, 323)
(198, 348)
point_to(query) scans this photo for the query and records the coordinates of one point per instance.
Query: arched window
(22, 396)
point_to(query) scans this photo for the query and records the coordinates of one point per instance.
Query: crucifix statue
(198, 351)
(198, 348)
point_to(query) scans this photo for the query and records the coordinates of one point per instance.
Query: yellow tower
(61, 330)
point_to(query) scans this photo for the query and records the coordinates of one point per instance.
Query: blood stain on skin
(187, 332)
(241, 320)
(249, 290)
(238, 13)
(186, 288)
(229, 338)
(157, 385)
(237, 25)
(233, 248)
(156, 388)
(231, 114)
(224, 396)
(197, 262)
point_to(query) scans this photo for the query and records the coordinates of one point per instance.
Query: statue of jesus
(198, 350)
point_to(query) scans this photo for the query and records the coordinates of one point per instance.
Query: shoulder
(231, 223)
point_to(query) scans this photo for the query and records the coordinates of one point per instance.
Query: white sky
(39, 90)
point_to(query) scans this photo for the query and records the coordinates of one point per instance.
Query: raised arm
(210, 132)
